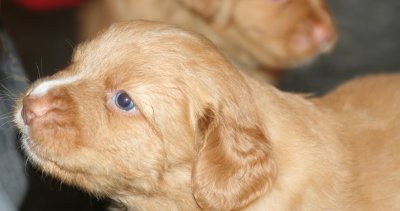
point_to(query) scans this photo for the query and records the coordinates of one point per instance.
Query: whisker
(19, 145)
(7, 122)
(60, 182)
(42, 174)
(6, 108)
(6, 78)
(3, 117)
(17, 77)
(70, 43)
(6, 114)
(41, 67)
(38, 70)
(27, 164)
(10, 103)
(8, 90)
(5, 95)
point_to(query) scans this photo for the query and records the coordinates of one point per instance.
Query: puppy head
(138, 100)
(283, 33)
(279, 33)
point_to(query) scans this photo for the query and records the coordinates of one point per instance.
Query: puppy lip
(40, 157)
(43, 160)
(31, 148)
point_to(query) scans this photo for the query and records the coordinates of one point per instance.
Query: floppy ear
(234, 164)
(217, 11)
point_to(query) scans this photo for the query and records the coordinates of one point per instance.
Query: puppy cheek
(55, 139)
(130, 157)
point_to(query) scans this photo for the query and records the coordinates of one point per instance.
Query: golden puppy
(256, 35)
(156, 119)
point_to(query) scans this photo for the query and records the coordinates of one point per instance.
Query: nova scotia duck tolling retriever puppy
(263, 38)
(155, 118)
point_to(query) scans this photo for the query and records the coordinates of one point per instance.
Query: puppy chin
(35, 157)
(29, 152)
(48, 165)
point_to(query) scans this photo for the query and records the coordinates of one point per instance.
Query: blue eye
(123, 101)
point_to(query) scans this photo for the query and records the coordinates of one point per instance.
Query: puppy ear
(234, 164)
(217, 11)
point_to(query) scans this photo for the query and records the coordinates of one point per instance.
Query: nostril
(34, 107)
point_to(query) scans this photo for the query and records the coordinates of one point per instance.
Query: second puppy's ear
(234, 164)
(216, 11)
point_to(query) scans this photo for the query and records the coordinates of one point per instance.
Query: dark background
(369, 42)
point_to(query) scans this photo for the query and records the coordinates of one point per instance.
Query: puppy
(156, 118)
(261, 37)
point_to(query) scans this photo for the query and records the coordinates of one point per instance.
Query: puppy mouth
(33, 154)
(46, 163)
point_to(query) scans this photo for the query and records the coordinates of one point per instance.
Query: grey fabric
(369, 42)
(5, 203)
(13, 182)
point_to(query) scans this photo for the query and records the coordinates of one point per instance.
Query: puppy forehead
(123, 55)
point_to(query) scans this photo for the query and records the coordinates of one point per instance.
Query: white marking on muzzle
(42, 88)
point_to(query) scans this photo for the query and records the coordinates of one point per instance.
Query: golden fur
(261, 37)
(204, 136)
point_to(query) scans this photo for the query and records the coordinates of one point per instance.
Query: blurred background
(369, 42)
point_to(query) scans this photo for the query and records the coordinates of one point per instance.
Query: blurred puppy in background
(262, 37)
(157, 119)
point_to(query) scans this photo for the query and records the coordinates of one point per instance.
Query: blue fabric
(13, 181)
